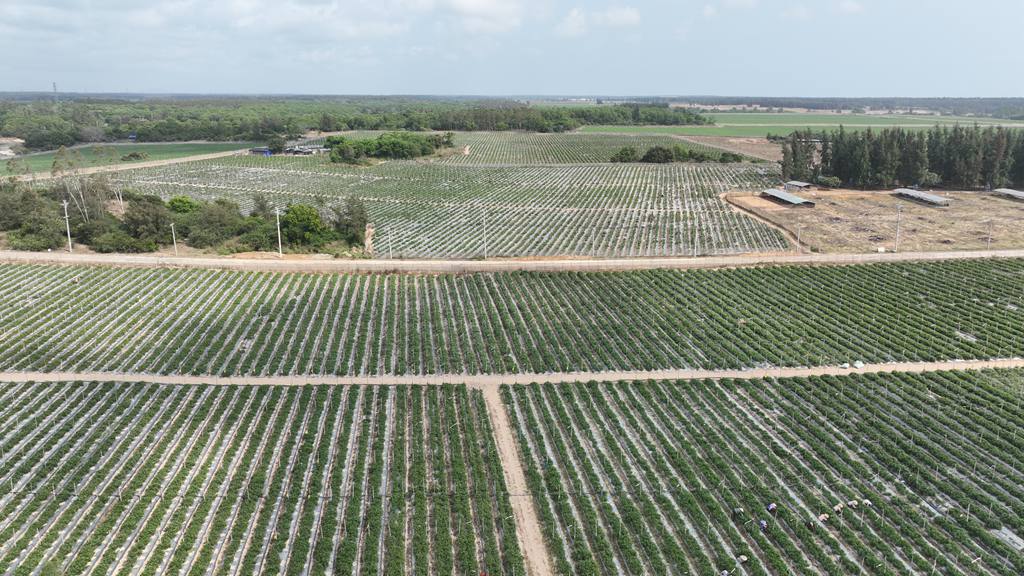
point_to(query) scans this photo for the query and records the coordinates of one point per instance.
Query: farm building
(922, 196)
(798, 186)
(787, 198)
(1015, 194)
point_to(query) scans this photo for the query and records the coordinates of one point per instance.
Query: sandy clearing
(318, 265)
(760, 148)
(853, 221)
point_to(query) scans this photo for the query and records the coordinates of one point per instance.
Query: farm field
(855, 221)
(439, 210)
(518, 148)
(206, 322)
(760, 125)
(873, 474)
(101, 478)
(95, 155)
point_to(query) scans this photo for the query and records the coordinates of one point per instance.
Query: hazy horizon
(770, 48)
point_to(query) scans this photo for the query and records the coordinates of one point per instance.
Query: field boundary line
(488, 381)
(274, 264)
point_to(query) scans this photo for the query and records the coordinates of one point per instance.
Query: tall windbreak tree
(959, 157)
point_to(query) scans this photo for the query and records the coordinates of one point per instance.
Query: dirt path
(133, 165)
(528, 533)
(492, 381)
(330, 265)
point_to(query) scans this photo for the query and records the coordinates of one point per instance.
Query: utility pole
(799, 234)
(277, 215)
(989, 234)
(899, 216)
(174, 238)
(67, 224)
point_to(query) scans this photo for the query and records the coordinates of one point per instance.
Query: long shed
(787, 198)
(1015, 194)
(922, 196)
(798, 186)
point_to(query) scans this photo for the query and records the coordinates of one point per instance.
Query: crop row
(440, 210)
(100, 478)
(875, 474)
(246, 323)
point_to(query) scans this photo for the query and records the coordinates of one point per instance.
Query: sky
(516, 47)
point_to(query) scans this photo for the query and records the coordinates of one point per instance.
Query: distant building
(787, 198)
(798, 186)
(1016, 195)
(922, 196)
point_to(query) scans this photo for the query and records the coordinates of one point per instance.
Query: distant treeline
(967, 158)
(51, 124)
(1012, 108)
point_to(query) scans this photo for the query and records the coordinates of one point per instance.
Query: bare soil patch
(754, 147)
(855, 221)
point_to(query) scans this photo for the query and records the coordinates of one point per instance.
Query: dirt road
(273, 264)
(486, 381)
(528, 533)
(134, 165)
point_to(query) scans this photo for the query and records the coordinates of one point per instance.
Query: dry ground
(754, 147)
(854, 221)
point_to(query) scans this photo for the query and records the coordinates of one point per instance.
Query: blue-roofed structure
(787, 198)
(922, 196)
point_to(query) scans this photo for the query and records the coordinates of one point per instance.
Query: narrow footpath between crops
(528, 530)
(271, 263)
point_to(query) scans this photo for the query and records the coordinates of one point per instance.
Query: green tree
(212, 223)
(658, 155)
(261, 207)
(626, 154)
(148, 221)
(39, 231)
(302, 225)
(183, 204)
(350, 221)
(276, 143)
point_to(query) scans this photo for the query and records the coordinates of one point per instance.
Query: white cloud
(619, 16)
(484, 16)
(576, 22)
(851, 7)
(709, 11)
(573, 25)
(797, 12)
